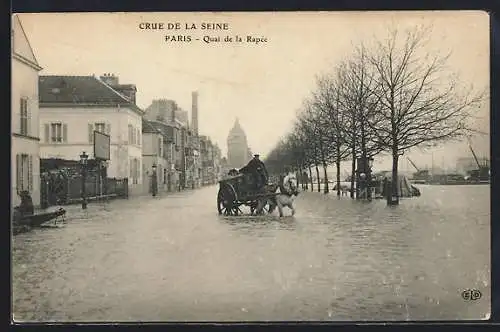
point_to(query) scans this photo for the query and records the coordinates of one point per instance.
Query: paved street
(173, 258)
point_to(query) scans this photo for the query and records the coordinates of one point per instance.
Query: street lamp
(83, 169)
(154, 181)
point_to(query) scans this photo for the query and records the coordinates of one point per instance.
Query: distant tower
(237, 146)
(194, 111)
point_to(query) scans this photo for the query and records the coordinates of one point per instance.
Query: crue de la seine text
(186, 32)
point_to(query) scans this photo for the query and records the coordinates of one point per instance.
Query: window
(101, 127)
(131, 134)
(164, 176)
(56, 132)
(24, 116)
(134, 170)
(24, 172)
(134, 135)
(159, 147)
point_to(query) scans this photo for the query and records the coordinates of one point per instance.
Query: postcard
(249, 167)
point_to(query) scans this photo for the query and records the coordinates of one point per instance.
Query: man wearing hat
(257, 168)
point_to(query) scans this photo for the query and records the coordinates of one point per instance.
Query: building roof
(148, 127)
(156, 127)
(80, 90)
(21, 46)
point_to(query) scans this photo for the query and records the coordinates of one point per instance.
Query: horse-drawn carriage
(240, 189)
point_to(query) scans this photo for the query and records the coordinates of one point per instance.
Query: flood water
(173, 258)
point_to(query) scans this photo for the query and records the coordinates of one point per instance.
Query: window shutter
(65, 133)
(91, 133)
(18, 173)
(138, 166)
(138, 137)
(108, 129)
(47, 133)
(131, 169)
(28, 116)
(30, 173)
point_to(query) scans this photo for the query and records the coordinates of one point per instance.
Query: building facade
(159, 141)
(73, 107)
(211, 161)
(25, 148)
(238, 153)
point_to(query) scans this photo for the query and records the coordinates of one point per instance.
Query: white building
(72, 107)
(25, 160)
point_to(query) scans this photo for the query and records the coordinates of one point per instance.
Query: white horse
(286, 194)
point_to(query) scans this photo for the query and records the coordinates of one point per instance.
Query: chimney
(162, 110)
(194, 111)
(109, 79)
(174, 106)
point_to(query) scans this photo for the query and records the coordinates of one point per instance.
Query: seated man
(25, 208)
(257, 168)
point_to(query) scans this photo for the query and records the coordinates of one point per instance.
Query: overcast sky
(261, 84)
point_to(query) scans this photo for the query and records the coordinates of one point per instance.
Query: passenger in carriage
(258, 170)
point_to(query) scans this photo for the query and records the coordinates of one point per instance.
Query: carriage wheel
(227, 201)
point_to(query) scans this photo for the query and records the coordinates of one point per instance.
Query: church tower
(237, 146)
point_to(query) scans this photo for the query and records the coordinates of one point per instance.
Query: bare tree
(359, 101)
(309, 128)
(417, 103)
(326, 99)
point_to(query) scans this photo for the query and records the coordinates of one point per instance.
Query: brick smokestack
(194, 111)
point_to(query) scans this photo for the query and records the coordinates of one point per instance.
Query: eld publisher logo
(471, 295)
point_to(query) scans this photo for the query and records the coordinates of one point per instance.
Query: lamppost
(83, 168)
(154, 181)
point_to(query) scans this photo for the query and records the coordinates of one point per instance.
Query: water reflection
(259, 225)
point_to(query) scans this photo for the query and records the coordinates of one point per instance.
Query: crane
(474, 155)
(413, 164)
(482, 172)
(421, 176)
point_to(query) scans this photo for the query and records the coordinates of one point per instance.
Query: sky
(262, 84)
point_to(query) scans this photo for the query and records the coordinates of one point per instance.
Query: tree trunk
(311, 178)
(359, 187)
(338, 175)
(299, 179)
(317, 178)
(394, 188)
(327, 190)
(353, 172)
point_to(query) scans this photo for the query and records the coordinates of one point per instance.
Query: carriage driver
(257, 168)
